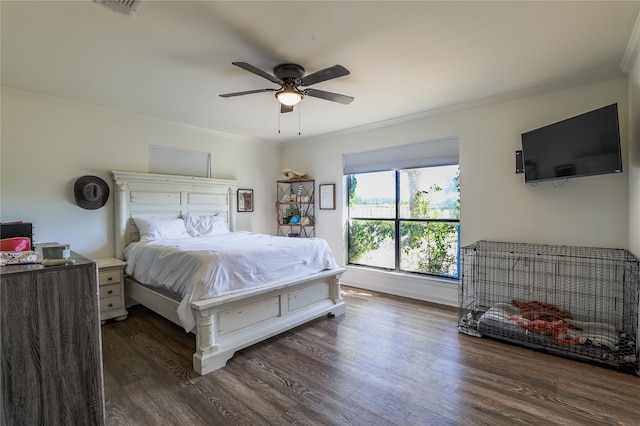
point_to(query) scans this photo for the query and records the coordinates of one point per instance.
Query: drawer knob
(109, 279)
(110, 291)
(111, 305)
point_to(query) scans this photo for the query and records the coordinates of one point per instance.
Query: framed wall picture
(327, 196)
(245, 200)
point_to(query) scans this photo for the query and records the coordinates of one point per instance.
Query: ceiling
(173, 58)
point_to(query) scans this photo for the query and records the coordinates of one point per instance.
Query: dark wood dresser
(51, 345)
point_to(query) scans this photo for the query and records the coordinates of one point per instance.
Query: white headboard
(167, 196)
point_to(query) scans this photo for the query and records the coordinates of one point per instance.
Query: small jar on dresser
(111, 288)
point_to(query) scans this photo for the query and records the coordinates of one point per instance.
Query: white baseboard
(429, 289)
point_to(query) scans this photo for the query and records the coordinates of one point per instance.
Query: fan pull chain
(299, 113)
(279, 115)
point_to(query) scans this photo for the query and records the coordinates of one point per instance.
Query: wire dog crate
(578, 302)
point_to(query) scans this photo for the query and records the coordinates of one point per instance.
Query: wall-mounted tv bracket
(519, 162)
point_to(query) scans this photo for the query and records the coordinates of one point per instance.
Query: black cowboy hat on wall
(91, 192)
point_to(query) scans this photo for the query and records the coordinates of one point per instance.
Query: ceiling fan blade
(324, 75)
(285, 108)
(257, 71)
(329, 96)
(248, 92)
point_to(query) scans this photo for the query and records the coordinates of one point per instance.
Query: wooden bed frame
(228, 323)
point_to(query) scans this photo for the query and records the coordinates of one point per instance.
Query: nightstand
(111, 288)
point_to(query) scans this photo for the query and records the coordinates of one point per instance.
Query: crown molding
(633, 48)
(566, 82)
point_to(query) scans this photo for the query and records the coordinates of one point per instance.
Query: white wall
(495, 202)
(48, 142)
(634, 158)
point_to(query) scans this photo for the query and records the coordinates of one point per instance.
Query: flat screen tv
(585, 145)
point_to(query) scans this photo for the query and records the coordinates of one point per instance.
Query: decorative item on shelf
(287, 198)
(299, 196)
(289, 214)
(245, 200)
(292, 174)
(295, 219)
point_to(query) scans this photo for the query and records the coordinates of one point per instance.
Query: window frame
(397, 227)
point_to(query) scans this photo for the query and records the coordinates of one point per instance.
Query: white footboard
(227, 324)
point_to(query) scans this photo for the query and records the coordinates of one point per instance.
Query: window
(406, 220)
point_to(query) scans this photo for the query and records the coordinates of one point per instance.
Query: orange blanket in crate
(545, 318)
(540, 311)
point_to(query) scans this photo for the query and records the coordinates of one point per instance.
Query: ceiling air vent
(125, 7)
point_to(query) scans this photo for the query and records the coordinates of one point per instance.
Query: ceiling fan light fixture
(289, 77)
(289, 96)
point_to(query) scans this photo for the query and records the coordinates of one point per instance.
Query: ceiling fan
(290, 77)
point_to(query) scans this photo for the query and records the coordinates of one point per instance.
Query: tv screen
(585, 145)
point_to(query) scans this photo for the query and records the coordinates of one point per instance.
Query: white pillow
(206, 226)
(160, 229)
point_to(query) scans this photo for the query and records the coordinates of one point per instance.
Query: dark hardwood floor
(388, 361)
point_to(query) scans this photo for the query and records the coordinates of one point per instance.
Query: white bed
(236, 319)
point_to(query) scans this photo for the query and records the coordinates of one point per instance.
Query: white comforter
(204, 267)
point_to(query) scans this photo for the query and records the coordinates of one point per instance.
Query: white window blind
(437, 152)
(175, 161)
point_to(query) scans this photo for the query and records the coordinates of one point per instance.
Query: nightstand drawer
(110, 290)
(109, 277)
(110, 303)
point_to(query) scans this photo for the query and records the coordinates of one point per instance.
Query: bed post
(336, 296)
(208, 356)
(121, 217)
(233, 203)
